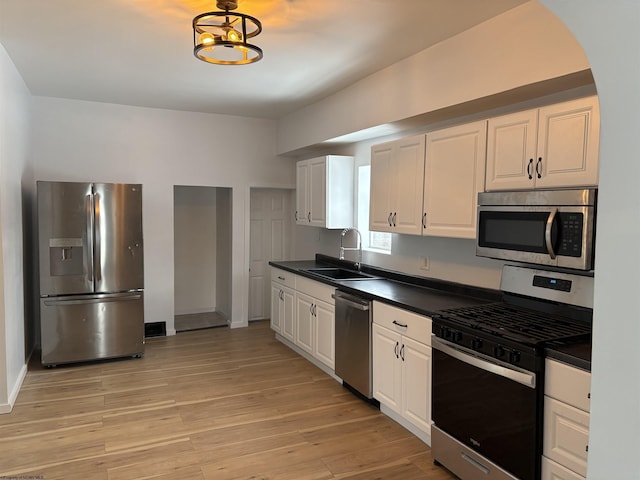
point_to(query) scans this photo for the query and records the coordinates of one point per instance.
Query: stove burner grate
(516, 323)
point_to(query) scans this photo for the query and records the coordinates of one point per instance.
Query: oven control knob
(514, 357)
(446, 333)
(498, 351)
(476, 344)
(456, 336)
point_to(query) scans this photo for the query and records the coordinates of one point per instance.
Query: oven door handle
(525, 378)
(547, 233)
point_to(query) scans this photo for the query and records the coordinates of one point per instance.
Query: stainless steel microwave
(543, 227)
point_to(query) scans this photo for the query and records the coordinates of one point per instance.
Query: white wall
(14, 170)
(608, 31)
(524, 45)
(224, 244)
(78, 140)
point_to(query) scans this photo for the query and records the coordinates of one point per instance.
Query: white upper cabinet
(397, 179)
(428, 185)
(454, 174)
(549, 147)
(324, 192)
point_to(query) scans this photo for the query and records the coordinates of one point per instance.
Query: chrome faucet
(358, 248)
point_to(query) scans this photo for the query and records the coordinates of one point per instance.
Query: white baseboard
(309, 357)
(421, 434)
(13, 395)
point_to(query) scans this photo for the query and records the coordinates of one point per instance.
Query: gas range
(540, 308)
(488, 372)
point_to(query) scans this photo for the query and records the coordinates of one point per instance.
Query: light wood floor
(207, 404)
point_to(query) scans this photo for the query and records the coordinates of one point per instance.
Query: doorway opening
(202, 257)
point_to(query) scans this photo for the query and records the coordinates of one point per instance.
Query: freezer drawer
(78, 328)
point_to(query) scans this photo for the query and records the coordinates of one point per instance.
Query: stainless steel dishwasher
(353, 342)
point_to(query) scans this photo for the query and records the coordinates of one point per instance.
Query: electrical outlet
(424, 263)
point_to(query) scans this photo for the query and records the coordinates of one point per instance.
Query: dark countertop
(424, 296)
(575, 354)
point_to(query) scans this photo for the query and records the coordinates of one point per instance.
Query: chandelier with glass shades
(222, 37)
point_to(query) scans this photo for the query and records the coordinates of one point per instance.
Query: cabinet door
(408, 185)
(277, 309)
(511, 151)
(416, 383)
(454, 174)
(303, 214)
(553, 471)
(317, 192)
(324, 338)
(381, 189)
(288, 326)
(566, 435)
(304, 322)
(568, 144)
(387, 368)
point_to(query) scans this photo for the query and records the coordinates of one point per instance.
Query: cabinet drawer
(566, 435)
(317, 290)
(568, 384)
(409, 324)
(553, 471)
(287, 279)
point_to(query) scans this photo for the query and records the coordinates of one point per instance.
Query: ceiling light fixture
(221, 37)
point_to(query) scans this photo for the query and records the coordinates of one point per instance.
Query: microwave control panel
(571, 225)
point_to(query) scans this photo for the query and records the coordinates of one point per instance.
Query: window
(377, 241)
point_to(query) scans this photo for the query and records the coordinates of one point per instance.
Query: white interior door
(270, 233)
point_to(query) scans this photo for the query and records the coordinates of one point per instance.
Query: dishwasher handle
(351, 301)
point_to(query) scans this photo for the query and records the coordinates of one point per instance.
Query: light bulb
(206, 38)
(233, 35)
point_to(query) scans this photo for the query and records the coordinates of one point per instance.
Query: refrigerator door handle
(93, 299)
(89, 256)
(98, 255)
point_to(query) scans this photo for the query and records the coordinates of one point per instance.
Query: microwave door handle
(547, 233)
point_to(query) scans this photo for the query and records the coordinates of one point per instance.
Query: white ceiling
(140, 52)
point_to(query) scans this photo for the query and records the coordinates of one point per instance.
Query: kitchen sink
(337, 273)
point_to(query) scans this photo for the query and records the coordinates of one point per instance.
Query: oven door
(557, 236)
(491, 408)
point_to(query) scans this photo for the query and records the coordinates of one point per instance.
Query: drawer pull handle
(403, 325)
(475, 463)
(280, 278)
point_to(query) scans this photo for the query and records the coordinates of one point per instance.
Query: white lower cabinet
(315, 317)
(303, 312)
(566, 422)
(402, 367)
(282, 303)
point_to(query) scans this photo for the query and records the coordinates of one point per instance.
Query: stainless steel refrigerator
(91, 271)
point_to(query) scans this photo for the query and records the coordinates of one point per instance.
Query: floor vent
(155, 329)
